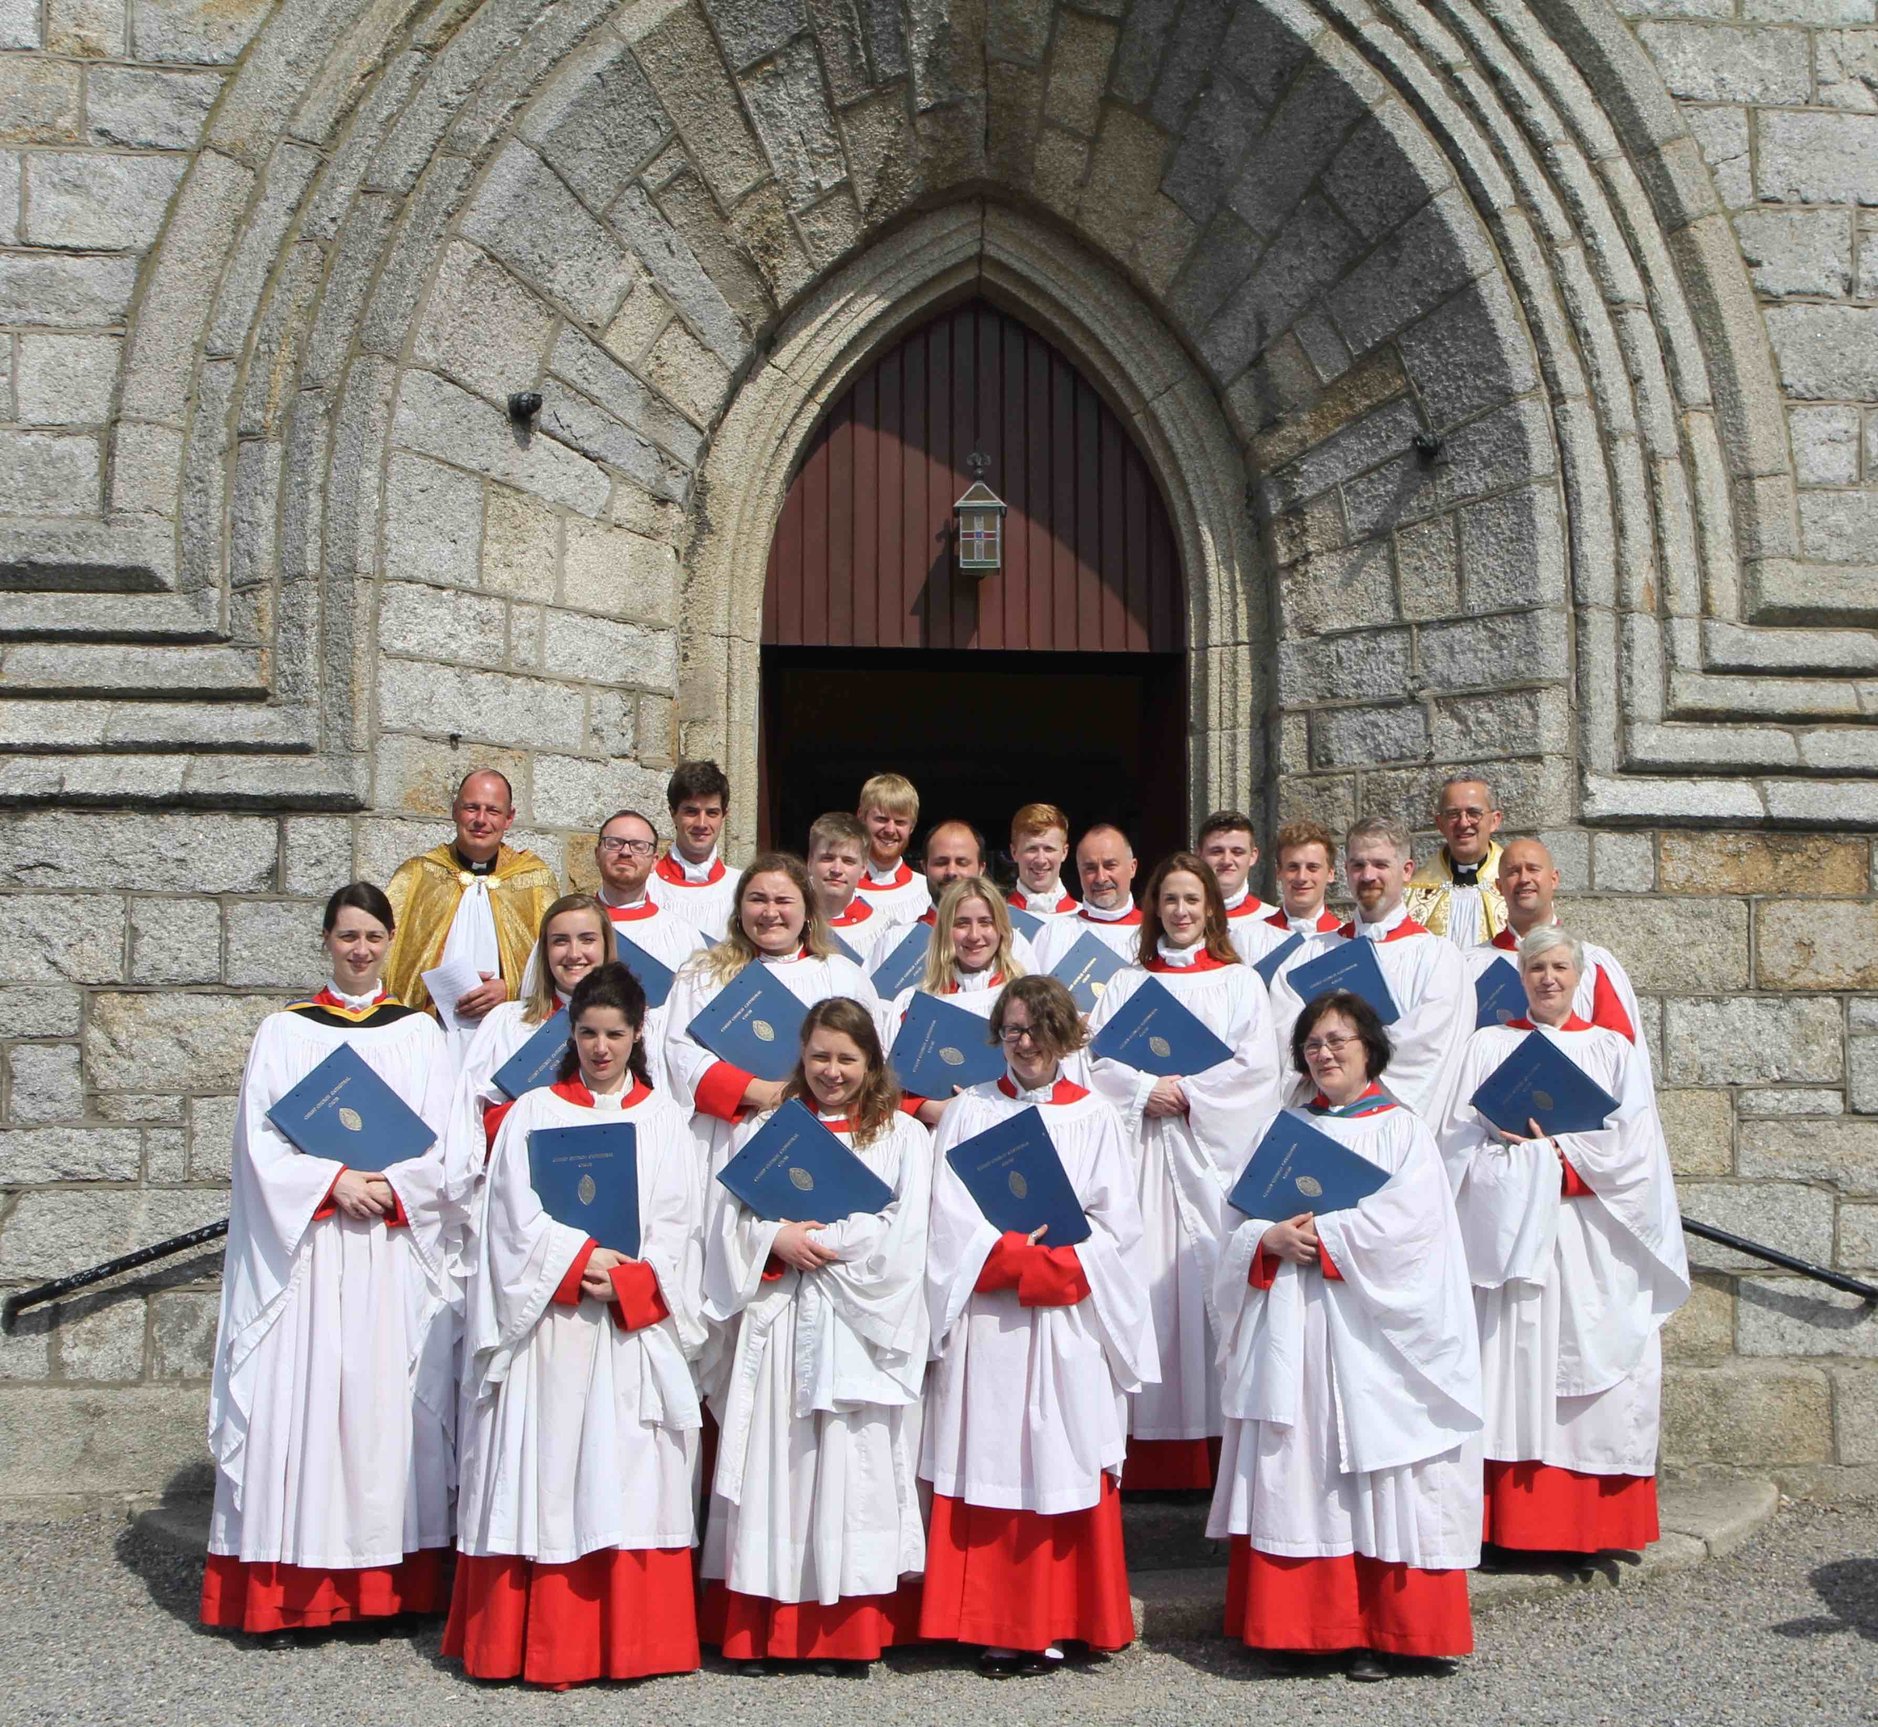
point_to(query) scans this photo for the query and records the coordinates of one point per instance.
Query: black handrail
(1773, 1256)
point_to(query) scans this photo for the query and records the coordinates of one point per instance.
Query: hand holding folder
(1540, 1082)
(1298, 1168)
(1153, 1033)
(588, 1178)
(342, 1110)
(754, 1022)
(795, 1170)
(1018, 1182)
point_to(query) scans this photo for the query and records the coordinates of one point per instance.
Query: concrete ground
(1751, 1622)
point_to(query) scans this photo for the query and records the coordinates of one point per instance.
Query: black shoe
(998, 1666)
(1033, 1663)
(1366, 1667)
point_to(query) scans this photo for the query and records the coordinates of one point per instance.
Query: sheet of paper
(448, 983)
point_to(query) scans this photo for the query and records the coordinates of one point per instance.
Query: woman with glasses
(1349, 1478)
(1575, 1246)
(1037, 1351)
(1188, 1133)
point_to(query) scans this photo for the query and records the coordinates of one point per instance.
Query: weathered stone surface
(187, 30)
(1828, 352)
(1823, 944)
(69, 1153)
(182, 1335)
(1797, 251)
(1861, 1058)
(201, 851)
(1842, 1150)
(273, 944)
(521, 545)
(62, 937)
(1791, 1100)
(1817, 158)
(44, 1083)
(97, 200)
(61, 291)
(1702, 1330)
(100, 1339)
(42, 1012)
(60, 1230)
(1789, 1215)
(26, 1346)
(171, 1042)
(436, 418)
(1788, 865)
(1794, 1316)
(48, 474)
(1744, 1413)
(481, 326)
(485, 707)
(211, 1137)
(1715, 63)
(1747, 1039)
(1857, 1248)
(1855, 1412)
(441, 624)
(1825, 445)
(175, 941)
(123, 1440)
(39, 102)
(605, 652)
(1669, 947)
(66, 380)
(149, 110)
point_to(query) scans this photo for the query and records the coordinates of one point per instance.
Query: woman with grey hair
(1574, 1245)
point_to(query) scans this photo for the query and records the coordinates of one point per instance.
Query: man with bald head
(1105, 866)
(1455, 893)
(955, 850)
(1529, 885)
(472, 903)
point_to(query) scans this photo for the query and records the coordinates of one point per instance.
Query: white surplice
(1605, 995)
(1026, 1407)
(576, 1434)
(901, 895)
(1571, 1294)
(1434, 997)
(1120, 933)
(332, 1406)
(704, 895)
(815, 1497)
(1353, 1405)
(1185, 1166)
(1248, 923)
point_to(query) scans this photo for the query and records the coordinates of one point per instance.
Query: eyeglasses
(638, 848)
(1017, 1033)
(1335, 1045)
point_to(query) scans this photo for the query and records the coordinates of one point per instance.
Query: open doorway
(979, 733)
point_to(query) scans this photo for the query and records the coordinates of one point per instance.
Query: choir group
(810, 1440)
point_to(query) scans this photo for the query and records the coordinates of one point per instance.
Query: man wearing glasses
(1456, 893)
(624, 855)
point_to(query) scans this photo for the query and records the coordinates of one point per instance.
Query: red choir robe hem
(1169, 1465)
(265, 1596)
(618, 1613)
(1349, 1601)
(856, 1628)
(1021, 1580)
(1540, 1508)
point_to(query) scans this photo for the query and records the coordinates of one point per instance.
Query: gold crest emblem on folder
(951, 1056)
(587, 1190)
(1542, 1100)
(764, 1030)
(1310, 1186)
(351, 1120)
(1017, 1184)
(1160, 1046)
(800, 1179)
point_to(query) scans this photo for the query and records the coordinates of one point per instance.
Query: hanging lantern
(979, 519)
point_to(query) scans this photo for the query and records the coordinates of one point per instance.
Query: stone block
(1625, 863)
(419, 776)
(1797, 251)
(1749, 1414)
(1790, 1216)
(433, 520)
(439, 419)
(1338, 591)
(29, 1155)
(1839, 527)
(1845, 66)
(85, 29)
(687, 373)
(1703, 1328)
(69, 1440)
(211, 1137)
(1842, 1150)
(1829, 352)
(57, 291)
(1825, 445)
(200, 851)
(316, 854)
(484, 707)
(1861, 1092)
(182, 1334)
(1666, 946)
(175, 941)
(481, 326)
(426, 623)
(1722, 134)
(1700, 1129)
(1436, 251)
(63, 937)
(273, 944)
(66, 380)
(1079, 65)
(49, 474)
(165, 1155)
(597, 121)
(26, 1346)
(1513, 551)
(1428, 571)
(100, 1340)
(619, 573)
(171, 1042)
(1794, 1316)
(750, 30)
(44, 1083)
(602, 651)
(595, 372)
(1364, 665)
(1817, 944)
(135, 1108)
(1787, 865)
(792, 117)
(1855, 1412)
(1790, 1100)
(1749, 1039)
(97, 200)
(1704, 62)
(1857, 1248)
(1469, 353)
(521, 545)
(60, 1230)
(575, 792)
(1361, 737)
(148, 110)
(39, 102)
(192, 33)
(43, 1012)
(1526, 647)
(688, 73)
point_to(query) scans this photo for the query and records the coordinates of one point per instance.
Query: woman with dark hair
(1038, 1349)
(1188, 1133)
(815, 1540)
(330, 1408)
(575, 1511)
(1349, 1478)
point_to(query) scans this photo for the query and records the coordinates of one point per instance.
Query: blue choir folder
(344, 1111)
(1540, 1082)
(1026, 923)
(940, 1045)
(1086, 969)
(905, 963)
(1296, 1168)
(794, 1170)
(538, 1061)
(1016, 1179)
(842, 948)
(1267, 968)
(655, 977)
(1348, 965)
(1499, 995)
(1153, 1033)
(588, 1179)
(754, 1023)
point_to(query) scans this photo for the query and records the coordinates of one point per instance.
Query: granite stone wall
(1511, 368)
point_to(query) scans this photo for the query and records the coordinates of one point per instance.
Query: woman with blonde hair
(815, 1539)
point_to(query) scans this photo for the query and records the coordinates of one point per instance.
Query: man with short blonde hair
(888, 808)
(1039, 847)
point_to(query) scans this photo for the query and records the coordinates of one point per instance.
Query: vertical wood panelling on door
(863, 554)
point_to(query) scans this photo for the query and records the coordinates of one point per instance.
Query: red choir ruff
(856, 1628)
(1346, 1602)
(619, 1613)
(1540, 1508)
(1168, 1465)
(265, 1596)
(1020, 1580)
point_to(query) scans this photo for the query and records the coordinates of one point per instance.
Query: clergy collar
(674, 866)
(333, 996)
(1187, 959)
(1392, 927)
(1059, 1090)
(1508, 942)
(872, 881)
(1571, 1022)
(1372, 1100)
(1130, 913)
(575, 1091)
(1462, 875)
(487, 867)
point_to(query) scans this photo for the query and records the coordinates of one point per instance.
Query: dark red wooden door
(863, 553)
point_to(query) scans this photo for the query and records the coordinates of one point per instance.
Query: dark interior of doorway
(979, 733)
